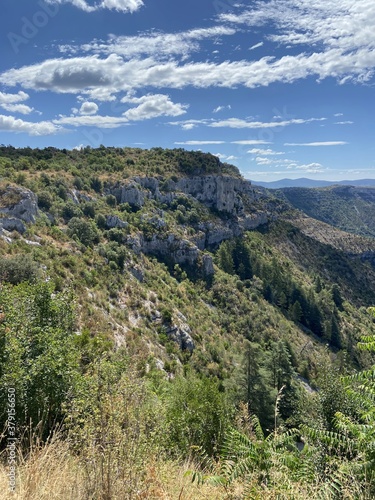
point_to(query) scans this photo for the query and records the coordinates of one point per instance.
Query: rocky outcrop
(17, 207)
(173, 249)
(181, 334)
(113, 221)
(129, 193)
(219, 192)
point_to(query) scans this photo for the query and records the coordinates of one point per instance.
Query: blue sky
(280, 88)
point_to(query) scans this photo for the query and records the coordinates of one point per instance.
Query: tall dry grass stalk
(52, 472)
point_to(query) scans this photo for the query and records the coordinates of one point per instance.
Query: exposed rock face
(12, 224)
(223, 193)
(115, 221)
(172, 248)
(129, 193)
(220, 192)
(181, 335)
(18, 205)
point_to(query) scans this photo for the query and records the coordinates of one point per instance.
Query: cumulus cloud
(226, 158)
(118, 5)
(329, 39)
(92, 121)
(316, 144)
(11, 124)
(88, 108)
(13, 98)
(152, 106)
(17, 108)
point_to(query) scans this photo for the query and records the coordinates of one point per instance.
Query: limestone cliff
(17, 207)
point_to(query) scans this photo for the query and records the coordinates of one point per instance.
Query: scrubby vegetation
(136, 377)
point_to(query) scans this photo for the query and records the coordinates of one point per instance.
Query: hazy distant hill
(312, 183)
(348, 208)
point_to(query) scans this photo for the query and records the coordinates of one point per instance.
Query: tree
(38, 358)
(295, 312)
(86, 231)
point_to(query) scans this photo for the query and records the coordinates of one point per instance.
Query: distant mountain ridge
(349, 208)
(312, 183)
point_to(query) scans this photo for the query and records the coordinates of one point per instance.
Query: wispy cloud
(238, 123)
(264, 152)
(316, 144)
(119, 5)
(221, 108)
(256, 46)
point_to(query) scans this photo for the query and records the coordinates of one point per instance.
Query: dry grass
(52, 472)
(48, 472)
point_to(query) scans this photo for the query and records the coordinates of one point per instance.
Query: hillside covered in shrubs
(170, 331)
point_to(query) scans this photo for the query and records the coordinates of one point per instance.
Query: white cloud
(311, 168)
(338, 114)
(339, 33)
(265, 152)
(316, 144)
(329, 39)
(157, 44)
(17, 108)
(223, 157)
(152, 106)
(13, 98)
(92, 121)
(188, 126)
(118, 5)
(88, 108)
(221, 108)
(261, 160)
(347, 122)
(256, 46)
(11, 124)
(238, 123)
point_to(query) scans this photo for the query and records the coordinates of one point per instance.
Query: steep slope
(140, 251)
(348, 208)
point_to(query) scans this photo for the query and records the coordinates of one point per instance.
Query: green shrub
(19, 268)
(85, 231)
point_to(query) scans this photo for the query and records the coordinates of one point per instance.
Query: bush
(197, 415)
(86, 231)
(45, 200)
(71, 210)
(89, 209)
(111, 200)
(17, 269)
